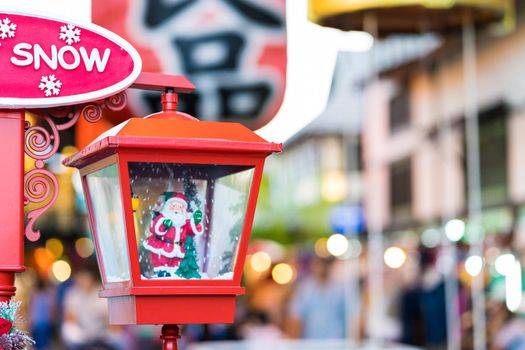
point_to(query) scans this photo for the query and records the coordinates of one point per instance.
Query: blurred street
(393, 219)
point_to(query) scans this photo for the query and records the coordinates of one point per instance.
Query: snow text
(67, 57)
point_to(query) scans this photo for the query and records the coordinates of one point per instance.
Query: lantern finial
(169, 100)
(171, 85)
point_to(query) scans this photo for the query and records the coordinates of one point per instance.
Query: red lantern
(171, 203)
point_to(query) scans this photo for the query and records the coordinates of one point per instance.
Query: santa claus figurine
(169, 231)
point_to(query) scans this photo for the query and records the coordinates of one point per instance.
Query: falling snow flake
(50, 85)
(7, 29)
(70, 34)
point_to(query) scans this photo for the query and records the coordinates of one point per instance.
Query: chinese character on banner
(234, 51)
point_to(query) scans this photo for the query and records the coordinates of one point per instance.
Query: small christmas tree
(189, 268)
(190, 191)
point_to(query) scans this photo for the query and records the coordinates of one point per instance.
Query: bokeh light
(395, 257)
(513, 287)
(43, 259)
(282, 273)
(504, 263)
(84, 247)
(337, 244)
(260, 261)
(354, 248)
(431, 238)
(474, 265)
(321, 249)
(334, 186)
(455, 230)
(61, 270)
(55, 246)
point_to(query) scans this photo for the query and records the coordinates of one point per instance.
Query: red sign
(49, 62)
(233, 51)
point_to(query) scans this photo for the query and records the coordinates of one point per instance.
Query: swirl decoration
(42, 142)
(40, 186)
(92, 112)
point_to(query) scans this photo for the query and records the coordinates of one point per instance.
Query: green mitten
(197, 216)
(167, 223)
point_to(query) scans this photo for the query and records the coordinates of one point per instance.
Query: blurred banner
(234, 51)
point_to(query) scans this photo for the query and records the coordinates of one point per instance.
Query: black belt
(160, 238)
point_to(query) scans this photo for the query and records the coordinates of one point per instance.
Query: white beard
(178, 219)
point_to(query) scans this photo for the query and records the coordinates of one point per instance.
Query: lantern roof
(174, 130)
(171, 129)
(407, 16)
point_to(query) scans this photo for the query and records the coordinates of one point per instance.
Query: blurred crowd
(431, 309)
(327, 298)
(71, 316)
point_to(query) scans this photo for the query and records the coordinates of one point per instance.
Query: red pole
(169, 336)
(12, 201)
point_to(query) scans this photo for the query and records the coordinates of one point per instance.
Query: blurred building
(321, 165)
(417, 167)
(316, 186)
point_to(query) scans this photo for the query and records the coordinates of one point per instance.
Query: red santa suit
(167, 244)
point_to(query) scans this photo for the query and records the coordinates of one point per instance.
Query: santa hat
(179, 198)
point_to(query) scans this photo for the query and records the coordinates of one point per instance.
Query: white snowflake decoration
(70, 34)
(50, 85)
(7, 29)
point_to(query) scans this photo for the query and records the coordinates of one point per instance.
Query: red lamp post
(171, 203)
(12, 213)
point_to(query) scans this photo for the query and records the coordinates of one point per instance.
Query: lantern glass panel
(188, 218)
(108, 216)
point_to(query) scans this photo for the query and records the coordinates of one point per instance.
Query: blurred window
(332, 156)
(493, 155)
(354, 153)
(400, 108)
(401, 189)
